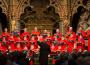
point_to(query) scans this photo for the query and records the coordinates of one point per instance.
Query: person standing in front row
(44, 52)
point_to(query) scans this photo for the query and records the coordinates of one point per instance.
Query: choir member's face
(80, 50)
(25, 38)
(32, 38)
(57, 30)
(48, 34)
(45, 31)
(6, 30)
(4, 38)
(80, 28)
(59, 47)
(18, 45)
(9, 47)
(35, 29)
(25, 29)
(81, 36)
(11, 36)
(70, 29)
(62, 38)
(71, 35)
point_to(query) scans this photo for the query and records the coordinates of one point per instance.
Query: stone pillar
(14, 10)
(62, 9)
(61, 27)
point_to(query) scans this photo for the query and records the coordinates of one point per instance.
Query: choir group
(58, 43)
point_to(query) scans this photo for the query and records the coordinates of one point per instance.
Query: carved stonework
(65, 8)
(62, 9)
(4, 6)
(43, 16)
(85, 8)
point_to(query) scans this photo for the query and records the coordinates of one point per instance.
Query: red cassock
(12, 49)
(71, 42)
(69, 33)
(27, 34)
(80, 44)
(37, 33)
(11, 40)
(25, 48)
(18, 44)
(34, 48)
(88, 36)
(54, 48)
(3, 48)
(19, 49)
(59, 48)
(63, 44)
(33, 42)
(25, 42)
(83, 33)
(6, 34)
(58, 35)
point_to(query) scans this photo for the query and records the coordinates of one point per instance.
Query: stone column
(62, 9)
(14, 10)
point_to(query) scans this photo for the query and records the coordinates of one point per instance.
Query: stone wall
(65, 8)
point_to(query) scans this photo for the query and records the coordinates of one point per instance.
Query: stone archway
(3, 20)
(43, 16)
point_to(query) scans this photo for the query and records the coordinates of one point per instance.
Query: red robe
(63, 44)
(6, 34)
(12, 49)
(83, 33)
(25, 41)
(81, 43)
(19, 49)
(3, 48)
(37, 33)
(4, 41)
(11, 40)
(18, 41)
(71, 42)
(25, 48)
(88, 36)
(27, 34)
(58, 35)
(54, 48)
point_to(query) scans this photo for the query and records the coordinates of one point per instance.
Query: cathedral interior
(44, 14)
(51, 15)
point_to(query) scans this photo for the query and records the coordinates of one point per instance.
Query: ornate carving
(4, 6)
(43, 17)
(65, 8)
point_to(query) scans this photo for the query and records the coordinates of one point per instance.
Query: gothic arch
(4, 6)
(3, 20)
